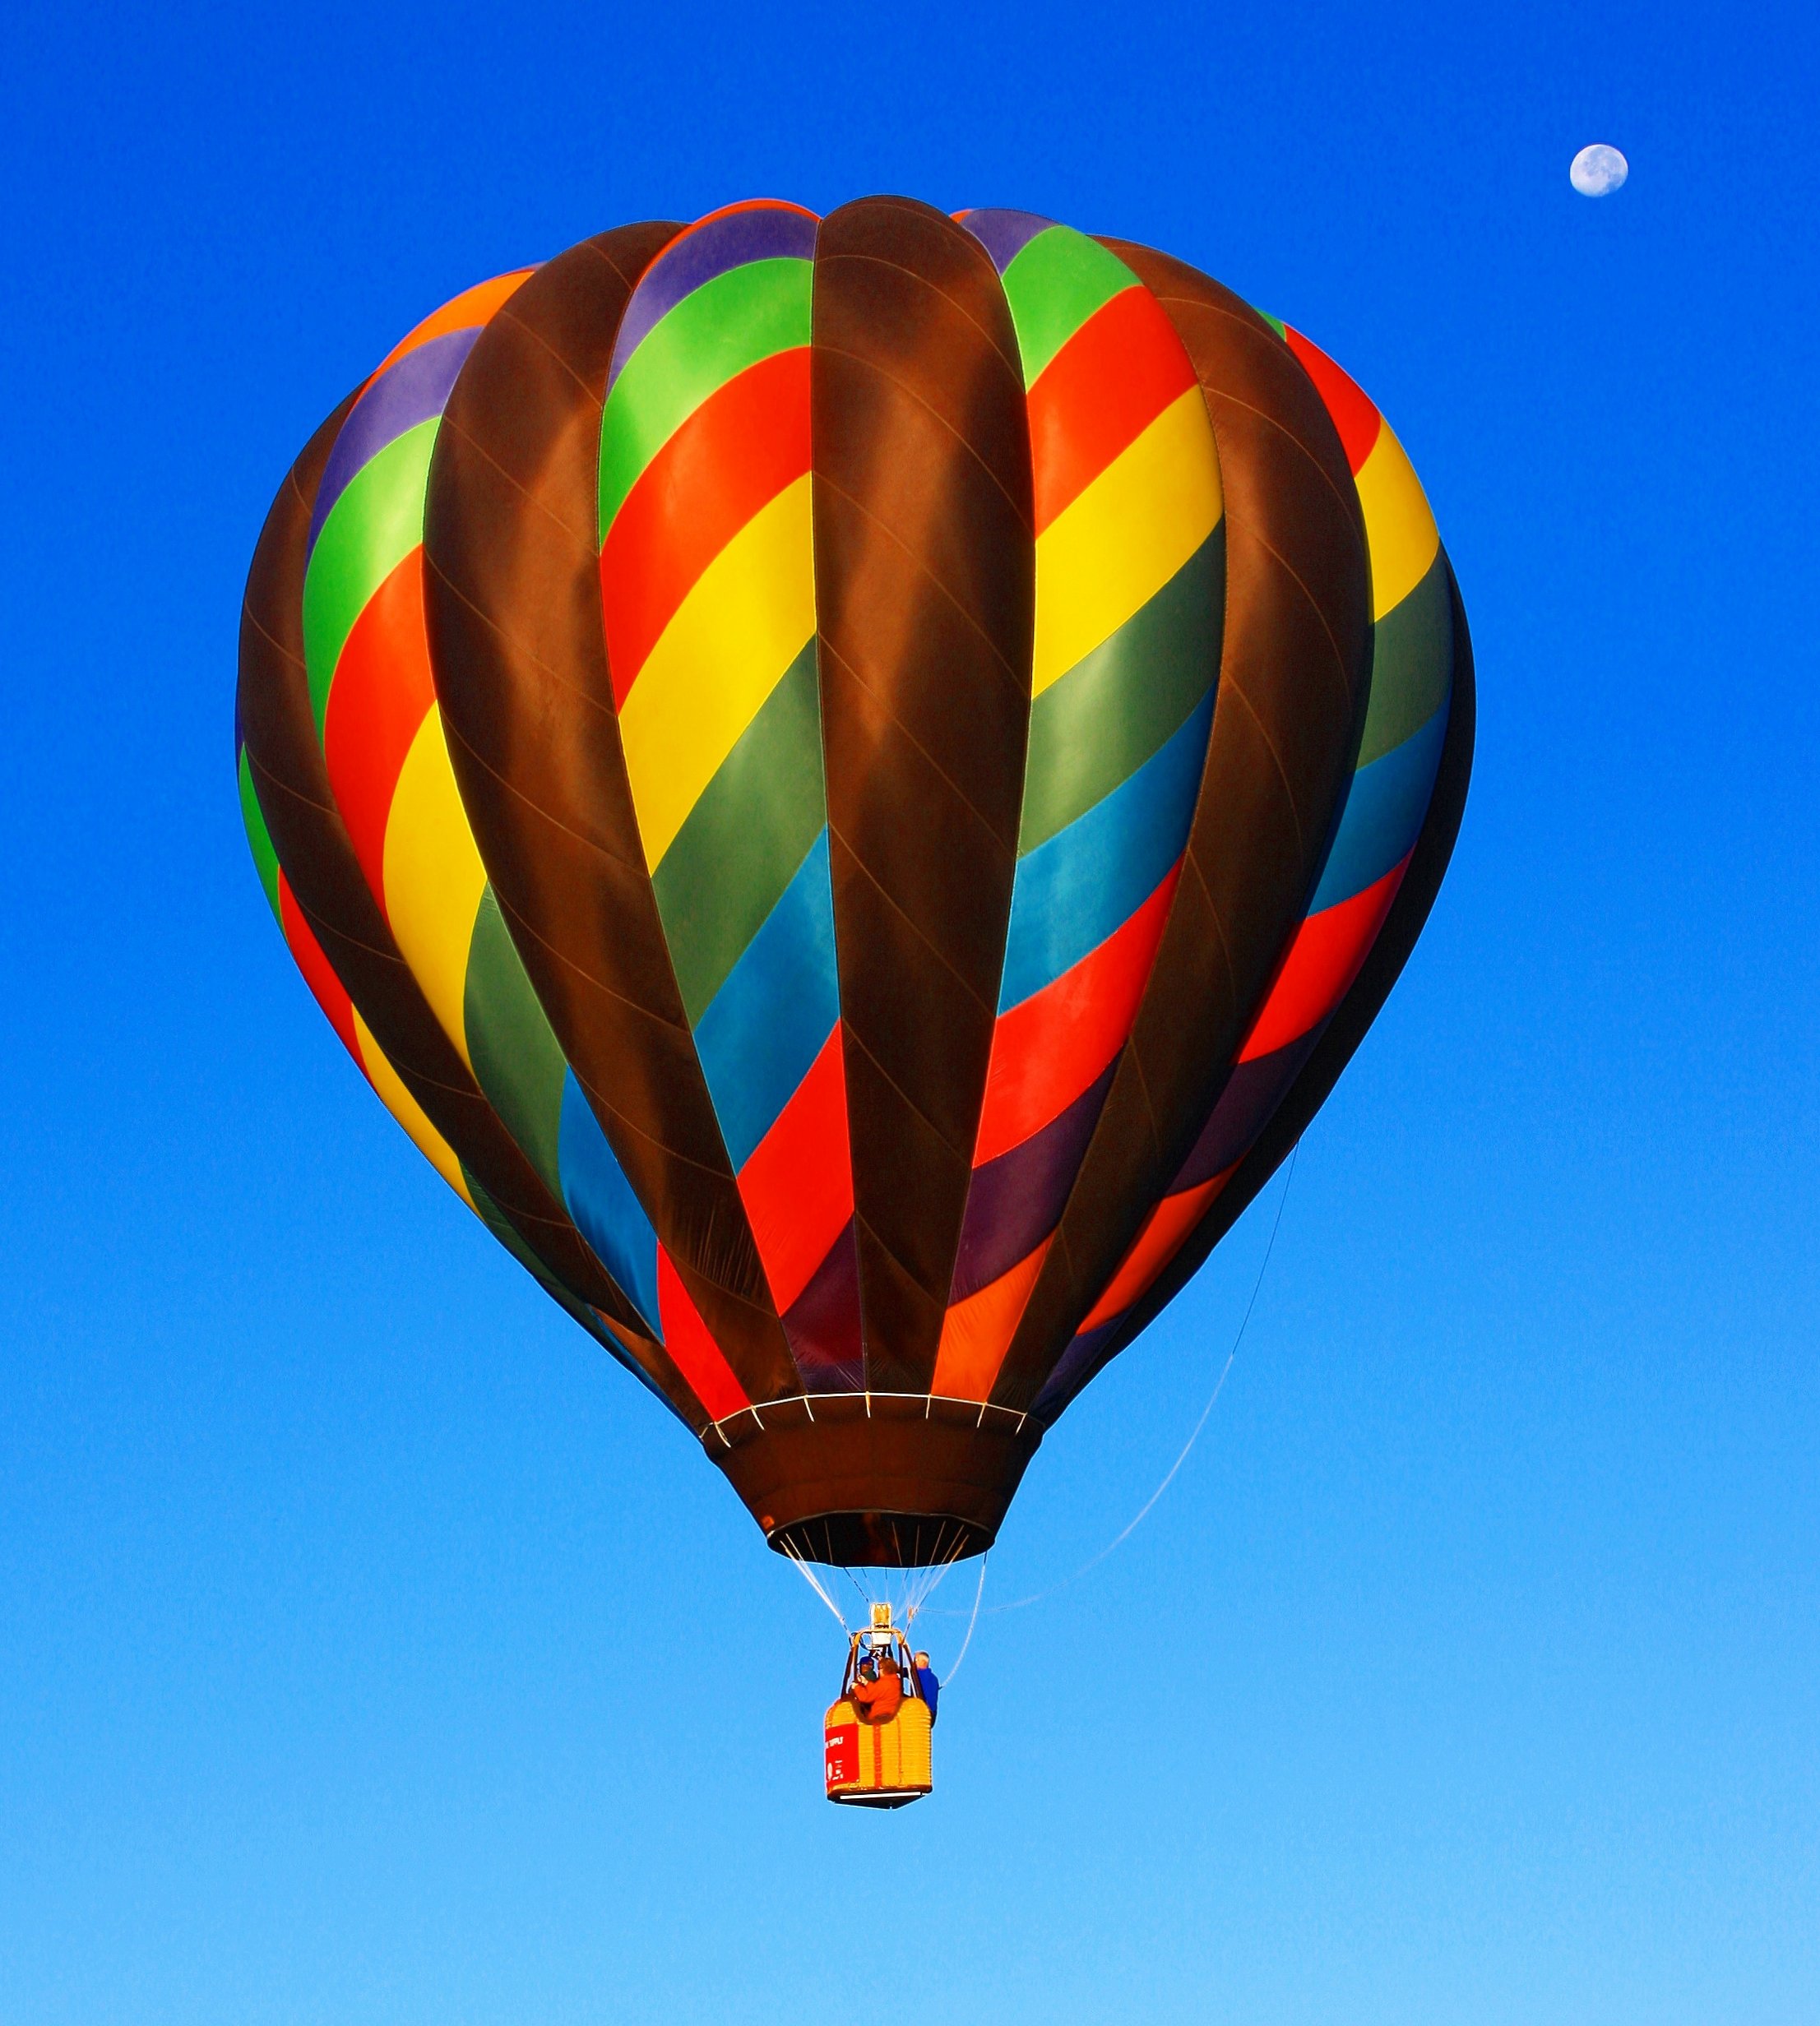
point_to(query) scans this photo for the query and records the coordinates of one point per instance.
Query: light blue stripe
(765, 1025)
(1383, 815)
(601, 1201)
(1072, 892)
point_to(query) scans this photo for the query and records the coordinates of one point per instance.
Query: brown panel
(1408, 915)
(925, 597)
(880, 1480)
(1293, 684)
(291, 778)
(518, 649)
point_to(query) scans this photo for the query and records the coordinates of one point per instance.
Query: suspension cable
(814, 1582)
(1119, 1540)
(978, 1592)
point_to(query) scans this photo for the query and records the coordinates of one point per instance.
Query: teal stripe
(1411, 664)
(744, 839)
(1113, 710)
(497, 1222)
(375, 523)
(265, 853)
(517, 1061)
(718, 330)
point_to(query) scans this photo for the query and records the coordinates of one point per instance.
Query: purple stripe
(767, 232)
(415, 390)
(1083, 1359)
(823, 1323)
(1252, 1092)
(1015, 1201)
(1004, 235)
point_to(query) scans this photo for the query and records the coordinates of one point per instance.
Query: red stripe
(319, 973)
(1046, 1052)
(691, 1346)
(1165, 1232)
(382, 691)
(739, 449)
(797, 1184)
(1322, 962)
(1106, 385)
(1354, 415)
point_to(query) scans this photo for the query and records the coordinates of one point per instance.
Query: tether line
(1119, 1540)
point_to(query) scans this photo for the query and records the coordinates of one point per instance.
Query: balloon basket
(878, 1764)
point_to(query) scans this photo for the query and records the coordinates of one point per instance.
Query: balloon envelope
(853, 782)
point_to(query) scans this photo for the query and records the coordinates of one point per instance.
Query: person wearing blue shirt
(927, 1686)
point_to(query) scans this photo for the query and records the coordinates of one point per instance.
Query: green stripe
(1275, 323)
(517, 1061)
(496, 1222)
(265, 853)
(718, 330)
(1054, 285)
(501, 1226)
(1118, 706)
(743, 840)
(1411, 664)
(371, 529)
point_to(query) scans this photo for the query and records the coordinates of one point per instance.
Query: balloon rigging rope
(814, 1582)
(972, 1622)
(1119, 1540)
(1020, 1603)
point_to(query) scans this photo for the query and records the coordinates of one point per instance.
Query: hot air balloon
(853, 782)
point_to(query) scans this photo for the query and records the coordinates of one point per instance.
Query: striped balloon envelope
(852, 783)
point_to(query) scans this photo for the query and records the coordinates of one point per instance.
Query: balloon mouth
(880, 1480)
(882, 1540)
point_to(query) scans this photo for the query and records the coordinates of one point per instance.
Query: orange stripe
(739, 449)
(1322, 962)
(471, 307)
(1105, 387)
(1047, 1051)
(691, 1346)
(797, 1184)
(382, 691)
(1165, 1230)
(976, 1333)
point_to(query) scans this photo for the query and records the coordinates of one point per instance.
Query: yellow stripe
(1399, 529)
(434, 879)
(408, 1112)
(1116, 544)
(743, 622)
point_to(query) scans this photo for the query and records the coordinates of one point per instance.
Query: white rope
(972, 1622)
(1119, 1540)
(814, 1582)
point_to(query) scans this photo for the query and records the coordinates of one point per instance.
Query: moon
(1598, 170)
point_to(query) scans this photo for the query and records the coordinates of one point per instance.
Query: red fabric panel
(1322, 962)
(1111, 380)
(1046, 1052)
(382, 691)
(797, 1185)
(307, 953)
(1157, 1244)
(1354, 414)
(691, 1348)
(740, 448)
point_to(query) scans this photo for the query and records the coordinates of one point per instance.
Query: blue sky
(352, 1607)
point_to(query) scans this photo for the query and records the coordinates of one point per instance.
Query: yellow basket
(878, 1766)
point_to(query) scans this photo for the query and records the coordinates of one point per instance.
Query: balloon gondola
(877, 1744)
(852, 783)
